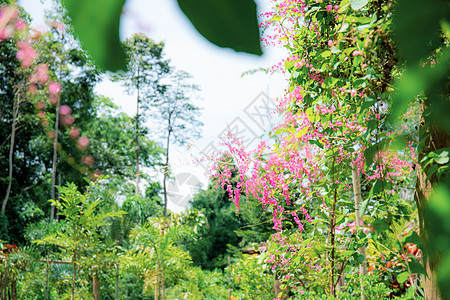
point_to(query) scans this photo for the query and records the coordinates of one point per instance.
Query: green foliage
(225, 228)
(226, 23)
(79, 240)
(97, 26)
(437, 218)
(251, 278)
(200, 284)
(156, 253)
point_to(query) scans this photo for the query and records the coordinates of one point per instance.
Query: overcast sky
(228, 98)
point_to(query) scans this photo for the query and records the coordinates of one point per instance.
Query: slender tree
(177, 115)
(145, 69)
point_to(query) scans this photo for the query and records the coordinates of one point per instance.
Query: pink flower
(40, 105)
(353, 93)
(54, 99)
(74, 133)
(26, 54)
(329, 7)
(20, 24)
(41, 114)
(32, 89)
(40, 75)
(65, 110)
(83, 142)
(87, 160)
(67, 120)
(357, 52)
(54, 88)
(330, 43)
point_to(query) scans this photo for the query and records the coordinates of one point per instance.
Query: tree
(19, 84)
(342, 65)
(80, 239)
(146, 67)
(157, 252)
(177, 116)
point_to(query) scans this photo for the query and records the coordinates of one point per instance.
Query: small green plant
(80, 239)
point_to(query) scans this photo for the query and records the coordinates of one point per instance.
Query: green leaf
(226, 23)
(442, 157)
(317, 143)
(358, 4)
(401, 278)
(416, 267)
(359, 258)
(325, 54)
(362, 207)
(96, 24)
(369, 154)
(347, 253)
(431, 171)
(412, 238)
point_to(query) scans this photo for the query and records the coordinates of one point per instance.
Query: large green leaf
(402, 277)
(226, 23)
(96, 24)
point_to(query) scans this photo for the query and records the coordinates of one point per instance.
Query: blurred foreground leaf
(96, 24)
(226, 23)
(438, 212)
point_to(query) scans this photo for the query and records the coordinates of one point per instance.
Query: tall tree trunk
(55, 141)
(55, 159)
(137, 137)
(333, 246)
(74, 273)
(157, 284)
(362, 250)
(166, 171)
(117, 282)
(95, 284)
(16, 107)
(163, 288)
(436, 139)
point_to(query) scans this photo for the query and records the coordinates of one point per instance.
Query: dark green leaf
(412, 238)
(359, 258)
(416, 26)
(369, 154)
(416, 267)
(96, 24)
(226, 23)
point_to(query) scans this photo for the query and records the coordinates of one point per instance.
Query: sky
(229, 101)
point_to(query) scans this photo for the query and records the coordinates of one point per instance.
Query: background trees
(337, 126)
